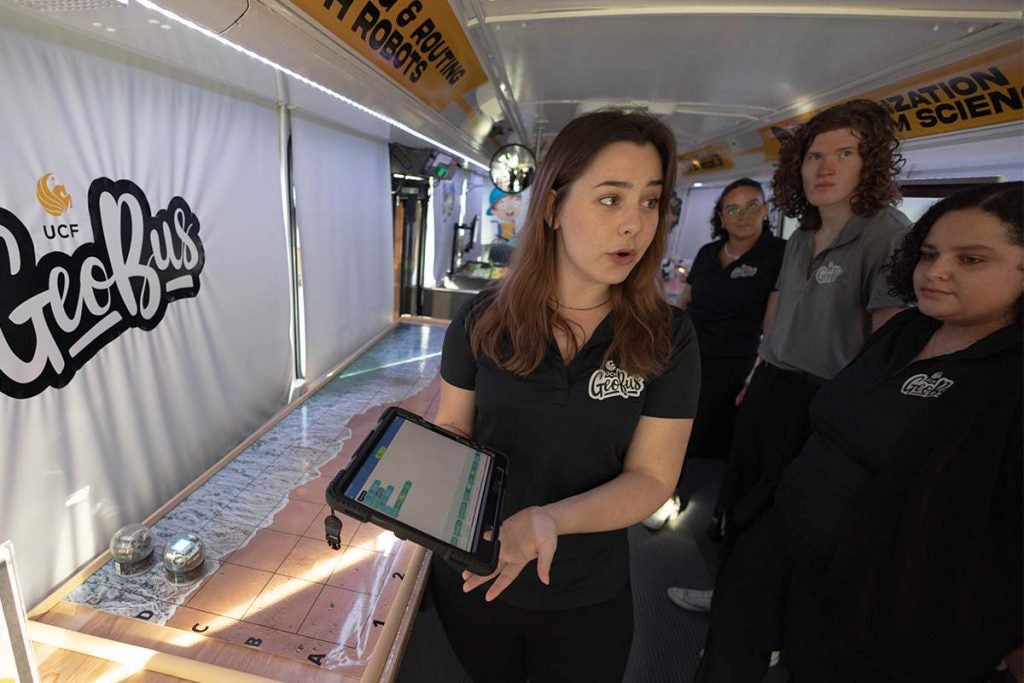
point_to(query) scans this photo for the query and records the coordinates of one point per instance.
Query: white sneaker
(691, 599)
(668, 510)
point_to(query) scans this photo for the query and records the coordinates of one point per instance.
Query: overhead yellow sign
(418, 43)
(713, 157)
(982, 90)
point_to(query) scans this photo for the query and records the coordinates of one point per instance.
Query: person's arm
(881, 304)
(1014, 664)
(685, 297)
(769, 313)
(881, 316)
(766, 326)
(457, 409)
(648, 478)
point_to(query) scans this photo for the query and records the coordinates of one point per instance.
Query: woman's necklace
(586, 308)
(731, 256)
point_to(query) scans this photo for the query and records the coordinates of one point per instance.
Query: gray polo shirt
(823, 315)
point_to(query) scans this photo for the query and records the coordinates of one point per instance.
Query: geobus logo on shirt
(828, 274)
(58, 311)
(924, 386)
(610, 381)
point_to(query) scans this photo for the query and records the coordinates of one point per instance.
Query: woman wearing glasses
(837, 177)
(726, 293)
(893, 551)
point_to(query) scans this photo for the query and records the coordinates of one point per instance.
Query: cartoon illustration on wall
(447, 202)
(505, 208)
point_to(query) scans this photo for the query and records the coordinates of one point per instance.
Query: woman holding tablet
(578, 370)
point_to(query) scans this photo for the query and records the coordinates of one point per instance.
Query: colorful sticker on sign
(420, 45)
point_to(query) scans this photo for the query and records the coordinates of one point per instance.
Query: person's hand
(743, 392)
(530, 534)
(1014, 663)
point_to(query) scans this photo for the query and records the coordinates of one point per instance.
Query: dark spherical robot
(131, 548)
(184, 557)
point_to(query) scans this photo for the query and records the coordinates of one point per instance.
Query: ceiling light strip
(763, 10)
(311, 83)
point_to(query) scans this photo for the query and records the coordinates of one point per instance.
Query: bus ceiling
(470, 76)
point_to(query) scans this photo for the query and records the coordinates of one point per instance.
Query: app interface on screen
(425, 480)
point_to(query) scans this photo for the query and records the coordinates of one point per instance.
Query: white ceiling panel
(711, 72)
(714, 70)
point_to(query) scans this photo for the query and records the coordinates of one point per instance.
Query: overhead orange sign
(418, 43)
(982, 90)
(713, 157)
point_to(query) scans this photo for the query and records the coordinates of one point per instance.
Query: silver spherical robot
(131, 548)
(184, 556)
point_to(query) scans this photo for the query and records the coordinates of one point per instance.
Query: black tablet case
(485, 560)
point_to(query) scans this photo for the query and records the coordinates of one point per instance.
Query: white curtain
(342, 186)
(694, 228)
(445, 200)
(153, 403)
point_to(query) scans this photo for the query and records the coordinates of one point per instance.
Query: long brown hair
(514, 326)
(879, 150)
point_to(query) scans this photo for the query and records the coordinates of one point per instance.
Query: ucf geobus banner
(418, 43)
(144, 291)
(979, 91)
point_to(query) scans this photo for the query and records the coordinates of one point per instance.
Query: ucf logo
(610, 381)
(54, 200)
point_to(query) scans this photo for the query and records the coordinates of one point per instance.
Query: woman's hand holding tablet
(428, 485)
(530, 534)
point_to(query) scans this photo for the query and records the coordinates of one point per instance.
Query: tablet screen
(425, 480)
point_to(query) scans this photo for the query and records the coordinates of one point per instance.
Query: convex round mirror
(512, 168)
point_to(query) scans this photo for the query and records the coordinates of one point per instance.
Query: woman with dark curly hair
(836, 174)
(895, 547)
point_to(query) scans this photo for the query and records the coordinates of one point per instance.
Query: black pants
(721, 378)
(771, 428)
(765, 600)
(498, 643)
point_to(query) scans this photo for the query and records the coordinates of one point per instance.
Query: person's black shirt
(727, 304)
(566, 430)
(909, 499)
(861, 417)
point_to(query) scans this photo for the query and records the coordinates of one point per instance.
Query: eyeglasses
(733, 210)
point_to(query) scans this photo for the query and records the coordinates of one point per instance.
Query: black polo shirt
(727, 304)
(566, 430)
(877, 405)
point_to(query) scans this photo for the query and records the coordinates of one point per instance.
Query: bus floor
(667, 640)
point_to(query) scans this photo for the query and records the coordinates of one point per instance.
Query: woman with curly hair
(837, 175)
(577, 368)
(895, 547)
